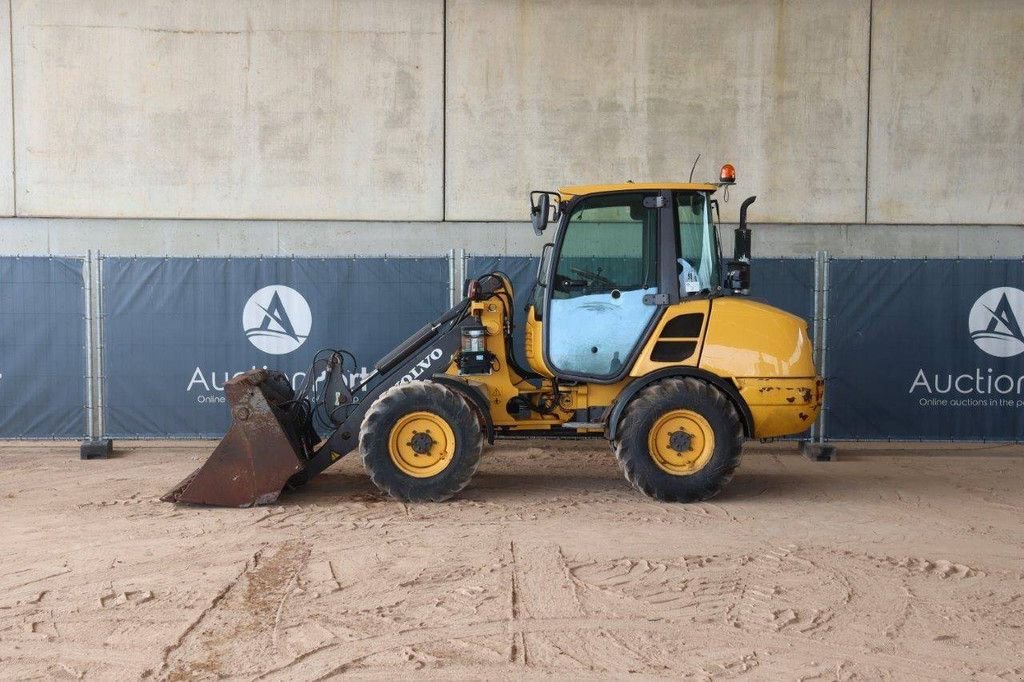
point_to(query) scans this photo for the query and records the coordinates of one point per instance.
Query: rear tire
(680, 440)
(420, 442)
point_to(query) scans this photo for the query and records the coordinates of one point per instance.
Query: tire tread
(373, 442)
(631, 446)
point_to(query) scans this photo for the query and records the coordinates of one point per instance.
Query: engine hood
(747, 338)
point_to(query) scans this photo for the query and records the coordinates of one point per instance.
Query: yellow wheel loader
(633, 334)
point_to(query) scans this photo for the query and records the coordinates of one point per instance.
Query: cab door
(602, 287)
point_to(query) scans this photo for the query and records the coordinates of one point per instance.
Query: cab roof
(579, 190)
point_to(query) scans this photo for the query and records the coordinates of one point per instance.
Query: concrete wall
(213, 108)
(541, 95)
(867, 127)
(947, 112)
(6, 115)
(63, 236)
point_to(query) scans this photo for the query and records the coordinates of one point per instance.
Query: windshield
(698, 249)
(609, 244)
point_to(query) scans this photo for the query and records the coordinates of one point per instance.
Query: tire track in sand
(236, 635)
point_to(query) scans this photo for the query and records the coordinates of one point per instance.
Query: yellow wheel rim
(421, 444)
(681, 442)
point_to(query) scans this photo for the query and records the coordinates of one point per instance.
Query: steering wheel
(593, 276)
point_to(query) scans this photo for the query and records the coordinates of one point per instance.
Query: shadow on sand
(855, 475)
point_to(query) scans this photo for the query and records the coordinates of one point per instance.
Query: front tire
(420, 442)
(680, 440)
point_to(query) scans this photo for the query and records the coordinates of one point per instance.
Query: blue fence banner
(176, 329)
(925, 350)
(42, 348)
(915, 349)
(786, 283)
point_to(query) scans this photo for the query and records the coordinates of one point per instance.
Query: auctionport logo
(277, 319)
(995, 322)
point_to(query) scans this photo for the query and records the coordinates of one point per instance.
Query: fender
(473, 396)
(614, 414)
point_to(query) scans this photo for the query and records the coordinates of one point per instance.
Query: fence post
(823, 367)
(463, 272)
(95, 446)
(101, 374)
(90, 425)
(816, 448)
(451, 278)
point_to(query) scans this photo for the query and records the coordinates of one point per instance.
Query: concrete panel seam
(867, 123)
(14, 138)
(444, 110)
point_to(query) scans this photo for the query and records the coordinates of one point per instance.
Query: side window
(606, 264)
(698, 256)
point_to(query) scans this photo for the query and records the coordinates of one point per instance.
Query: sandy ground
(908, 567)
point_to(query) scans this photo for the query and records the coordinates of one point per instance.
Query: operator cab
(622, 254)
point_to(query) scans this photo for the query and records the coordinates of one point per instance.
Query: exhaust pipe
(737, 276)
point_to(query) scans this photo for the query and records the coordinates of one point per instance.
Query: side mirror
(540, 209)
(539, 214)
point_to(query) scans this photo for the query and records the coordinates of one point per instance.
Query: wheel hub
(680, 441)
(421, 442)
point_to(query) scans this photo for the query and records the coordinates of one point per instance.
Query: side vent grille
(678, 338)
(673, 351)
(683, 327)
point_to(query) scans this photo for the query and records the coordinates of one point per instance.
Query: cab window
(697, 259)
(606, 265)
(609, 244)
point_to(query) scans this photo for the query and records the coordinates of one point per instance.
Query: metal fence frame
(819, 339)
(94, 380)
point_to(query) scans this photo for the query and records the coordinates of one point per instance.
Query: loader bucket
(264, 447)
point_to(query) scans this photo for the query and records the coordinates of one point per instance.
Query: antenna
(694, 166)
